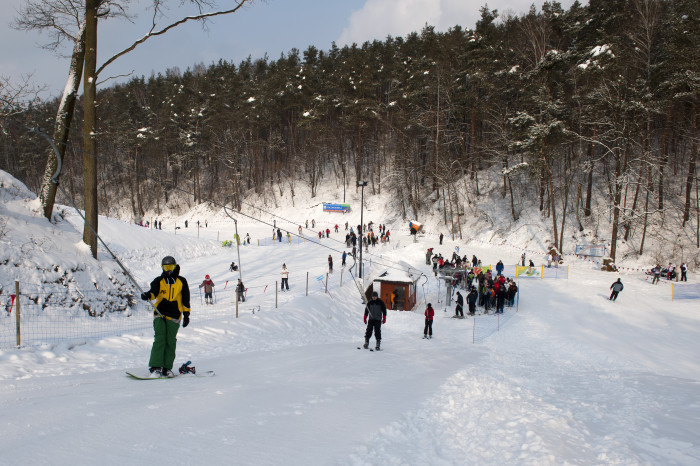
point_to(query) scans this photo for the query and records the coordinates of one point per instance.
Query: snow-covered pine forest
(586, 118)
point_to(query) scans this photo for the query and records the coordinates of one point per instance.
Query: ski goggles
(169, 267)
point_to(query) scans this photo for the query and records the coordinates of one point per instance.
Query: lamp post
(362, 185)
(238, 240)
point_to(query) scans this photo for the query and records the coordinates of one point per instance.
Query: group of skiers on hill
(669, 272)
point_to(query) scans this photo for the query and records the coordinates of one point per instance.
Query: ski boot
(366, 345)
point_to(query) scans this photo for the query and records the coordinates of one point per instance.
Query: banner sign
(597, 250)
(534, 272)
(344, 208)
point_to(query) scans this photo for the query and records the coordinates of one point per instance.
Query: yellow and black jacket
(172, 295)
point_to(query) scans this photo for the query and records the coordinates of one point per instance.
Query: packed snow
(565, 377)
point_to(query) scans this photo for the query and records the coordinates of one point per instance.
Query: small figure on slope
(429, 315)
(459, 308)
(208, 286)
(285, 277)
(616, 288)
(375, 316)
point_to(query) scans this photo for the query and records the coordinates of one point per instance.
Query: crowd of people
(483, 288)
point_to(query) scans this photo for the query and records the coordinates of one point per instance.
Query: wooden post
(19, 333)
(307, 283)
(275, 294)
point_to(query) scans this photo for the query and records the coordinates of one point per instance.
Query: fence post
(542, 274)
(275, 294)
(341, 277)
(237, 299)
(19, 333)
(307, 283)
(326, 283)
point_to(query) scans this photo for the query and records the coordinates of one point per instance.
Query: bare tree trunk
(664, 158)
(692, 168)
(89, 126)
(552, 200)
(589, 185)
(64, 117)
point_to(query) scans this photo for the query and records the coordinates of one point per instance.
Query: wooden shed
(398, 285)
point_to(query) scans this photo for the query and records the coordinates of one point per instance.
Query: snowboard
(145, 375)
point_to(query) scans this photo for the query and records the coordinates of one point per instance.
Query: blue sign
(344, 208)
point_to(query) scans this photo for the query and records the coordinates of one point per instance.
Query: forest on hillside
(557, 101)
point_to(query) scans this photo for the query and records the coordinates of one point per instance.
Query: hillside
(565, 377)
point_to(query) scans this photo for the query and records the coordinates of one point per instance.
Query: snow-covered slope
(567, 377)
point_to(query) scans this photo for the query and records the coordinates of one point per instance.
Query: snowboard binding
(187, 369)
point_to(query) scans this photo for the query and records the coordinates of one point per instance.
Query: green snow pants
(163, 351)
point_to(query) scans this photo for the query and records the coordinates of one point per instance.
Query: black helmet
(168, 260)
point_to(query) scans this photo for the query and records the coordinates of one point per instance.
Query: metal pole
(17, 319)
(362, 184)
(238, 250)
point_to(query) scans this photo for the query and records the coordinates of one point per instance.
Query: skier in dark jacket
(616, 287)
(459, 308)
(240, 291)
(471, 301)
(172, 303)
(500, 299)
(375, 316)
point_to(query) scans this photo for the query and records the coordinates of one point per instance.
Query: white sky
(266, 26)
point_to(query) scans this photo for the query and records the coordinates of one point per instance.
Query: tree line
(562, 104)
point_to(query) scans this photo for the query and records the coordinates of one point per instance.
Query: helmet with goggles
(168, 263)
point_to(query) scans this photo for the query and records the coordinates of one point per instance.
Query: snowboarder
(330, 263)
(208, 286)
(172, 303)
(233, 267)
(375, 310)
(285, 277)
(429, 314)
(459, 309)
(344, 256)
(616, 287)
(240, 291)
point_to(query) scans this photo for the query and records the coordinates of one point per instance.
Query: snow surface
(566, 378)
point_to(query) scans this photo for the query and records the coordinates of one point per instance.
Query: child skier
(208, 286)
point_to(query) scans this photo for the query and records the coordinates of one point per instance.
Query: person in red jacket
(429, 314)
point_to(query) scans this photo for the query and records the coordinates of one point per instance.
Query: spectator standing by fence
(684, 272)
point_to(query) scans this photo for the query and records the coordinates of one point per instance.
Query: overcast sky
(266, 26)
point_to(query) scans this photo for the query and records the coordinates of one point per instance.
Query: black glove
(146, 296)
(185, 319)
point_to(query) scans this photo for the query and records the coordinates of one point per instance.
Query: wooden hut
(397, 289)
